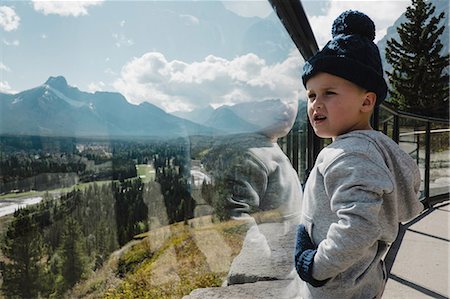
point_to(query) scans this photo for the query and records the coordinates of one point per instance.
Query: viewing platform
(419, 260)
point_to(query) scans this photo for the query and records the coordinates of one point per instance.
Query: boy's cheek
(309, 114)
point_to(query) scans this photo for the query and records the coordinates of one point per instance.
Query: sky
(178, 55)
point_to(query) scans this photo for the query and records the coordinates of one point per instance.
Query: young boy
(363, 184)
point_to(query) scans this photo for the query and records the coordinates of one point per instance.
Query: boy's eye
(330, 92)
(311, 96)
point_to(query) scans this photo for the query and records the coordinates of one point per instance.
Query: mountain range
(222, 118)
(57, 109)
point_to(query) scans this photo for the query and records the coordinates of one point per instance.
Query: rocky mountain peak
(58, 82)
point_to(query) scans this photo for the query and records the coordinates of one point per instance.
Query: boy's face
(337, 106)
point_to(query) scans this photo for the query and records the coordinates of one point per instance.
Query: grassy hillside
(168, 262)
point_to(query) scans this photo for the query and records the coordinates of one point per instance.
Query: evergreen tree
(419, 79)
(74, 260)
(25, 274)
(131, 210)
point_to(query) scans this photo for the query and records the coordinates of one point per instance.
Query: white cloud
(6, 88)
(65, 8)
(96, 86)
(383, 13)
(122, 41)
(190, 19)
(9, 20)
(4, 67)
(110, 72)
(14, 43)
(44, 36)
(249, 8)
(176, 85)
(122, 23)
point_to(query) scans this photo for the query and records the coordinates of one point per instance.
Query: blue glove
(303, 241)
(304, 257)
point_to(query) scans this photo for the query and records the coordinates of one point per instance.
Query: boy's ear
(370, 98)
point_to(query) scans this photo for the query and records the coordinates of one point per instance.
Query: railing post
(375, 120)
(295, 146)
(417, 148)
(289, 144)
(396, 129)
(313, 149)
(427, 164)
(385, 128)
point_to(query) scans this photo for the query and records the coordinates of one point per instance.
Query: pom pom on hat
(351, 54)
(353, 22)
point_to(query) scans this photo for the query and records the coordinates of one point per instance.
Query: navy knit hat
(351, 54)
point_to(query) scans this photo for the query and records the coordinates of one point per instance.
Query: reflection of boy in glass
(254, 181)
(250, 169)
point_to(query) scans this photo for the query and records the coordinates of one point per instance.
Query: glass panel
(386, 122)
(411, 140)
(439, 159)
(139, 152)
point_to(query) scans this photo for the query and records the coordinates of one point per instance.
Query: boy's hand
(303, 241)
(304, 257)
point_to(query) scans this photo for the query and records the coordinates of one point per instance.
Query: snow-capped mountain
(57, 109)
(234, 119)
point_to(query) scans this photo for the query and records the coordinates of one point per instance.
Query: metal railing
(427, 140)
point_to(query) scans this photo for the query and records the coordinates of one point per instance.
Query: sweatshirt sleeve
(355, 186)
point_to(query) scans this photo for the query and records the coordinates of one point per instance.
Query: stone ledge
(266, 255)
(280, 289)
(263, 269)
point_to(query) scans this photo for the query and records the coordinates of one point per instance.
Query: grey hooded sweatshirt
(361, 187)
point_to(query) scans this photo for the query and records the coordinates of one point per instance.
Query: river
(10, 205)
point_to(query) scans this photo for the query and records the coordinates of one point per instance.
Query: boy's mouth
(319, 118)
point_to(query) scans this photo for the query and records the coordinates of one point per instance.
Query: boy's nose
(317, 104)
